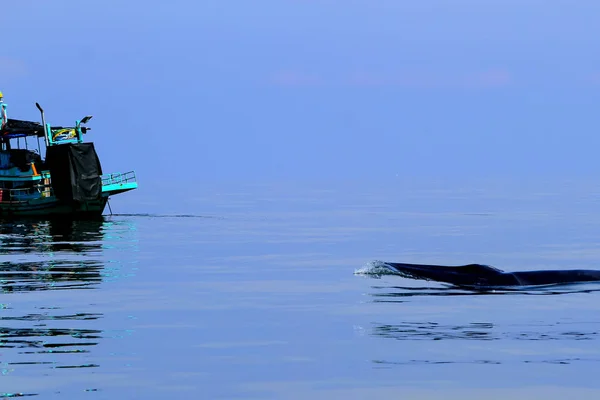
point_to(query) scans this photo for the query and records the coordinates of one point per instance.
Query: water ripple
(480, 331)
(384, 363)
(399, 294)
(41, 260)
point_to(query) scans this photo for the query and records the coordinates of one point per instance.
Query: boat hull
(45, 204)
(52, 207)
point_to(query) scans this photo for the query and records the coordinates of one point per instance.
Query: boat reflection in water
(47, 318)
(47, 244)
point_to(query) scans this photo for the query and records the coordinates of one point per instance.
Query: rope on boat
(110, 209)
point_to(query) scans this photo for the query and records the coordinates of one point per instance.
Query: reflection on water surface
(37, 327)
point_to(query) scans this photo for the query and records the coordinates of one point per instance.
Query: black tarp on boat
(75, 171)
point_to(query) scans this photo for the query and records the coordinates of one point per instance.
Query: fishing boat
(66, 181)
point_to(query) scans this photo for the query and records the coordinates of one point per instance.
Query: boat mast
(43, 123)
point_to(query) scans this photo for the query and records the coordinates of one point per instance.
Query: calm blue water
(270, 292)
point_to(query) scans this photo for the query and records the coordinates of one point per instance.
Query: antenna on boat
(43, 122)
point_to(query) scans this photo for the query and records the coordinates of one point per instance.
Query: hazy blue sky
(307, 89)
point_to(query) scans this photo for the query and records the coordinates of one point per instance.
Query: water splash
(375, 269)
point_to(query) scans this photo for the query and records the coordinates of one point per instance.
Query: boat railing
(39, 190)
(118, 178)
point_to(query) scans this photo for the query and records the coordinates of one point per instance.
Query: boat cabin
(66, 179)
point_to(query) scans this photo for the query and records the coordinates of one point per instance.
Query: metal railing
(37, 191)
(118, 178)
(44, 189)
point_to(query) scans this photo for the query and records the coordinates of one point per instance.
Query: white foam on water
(375, 269)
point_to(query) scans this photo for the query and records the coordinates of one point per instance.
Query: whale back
(552, 277)
(484, 275)
(478, 269)
(470, 274)
(470, 269)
